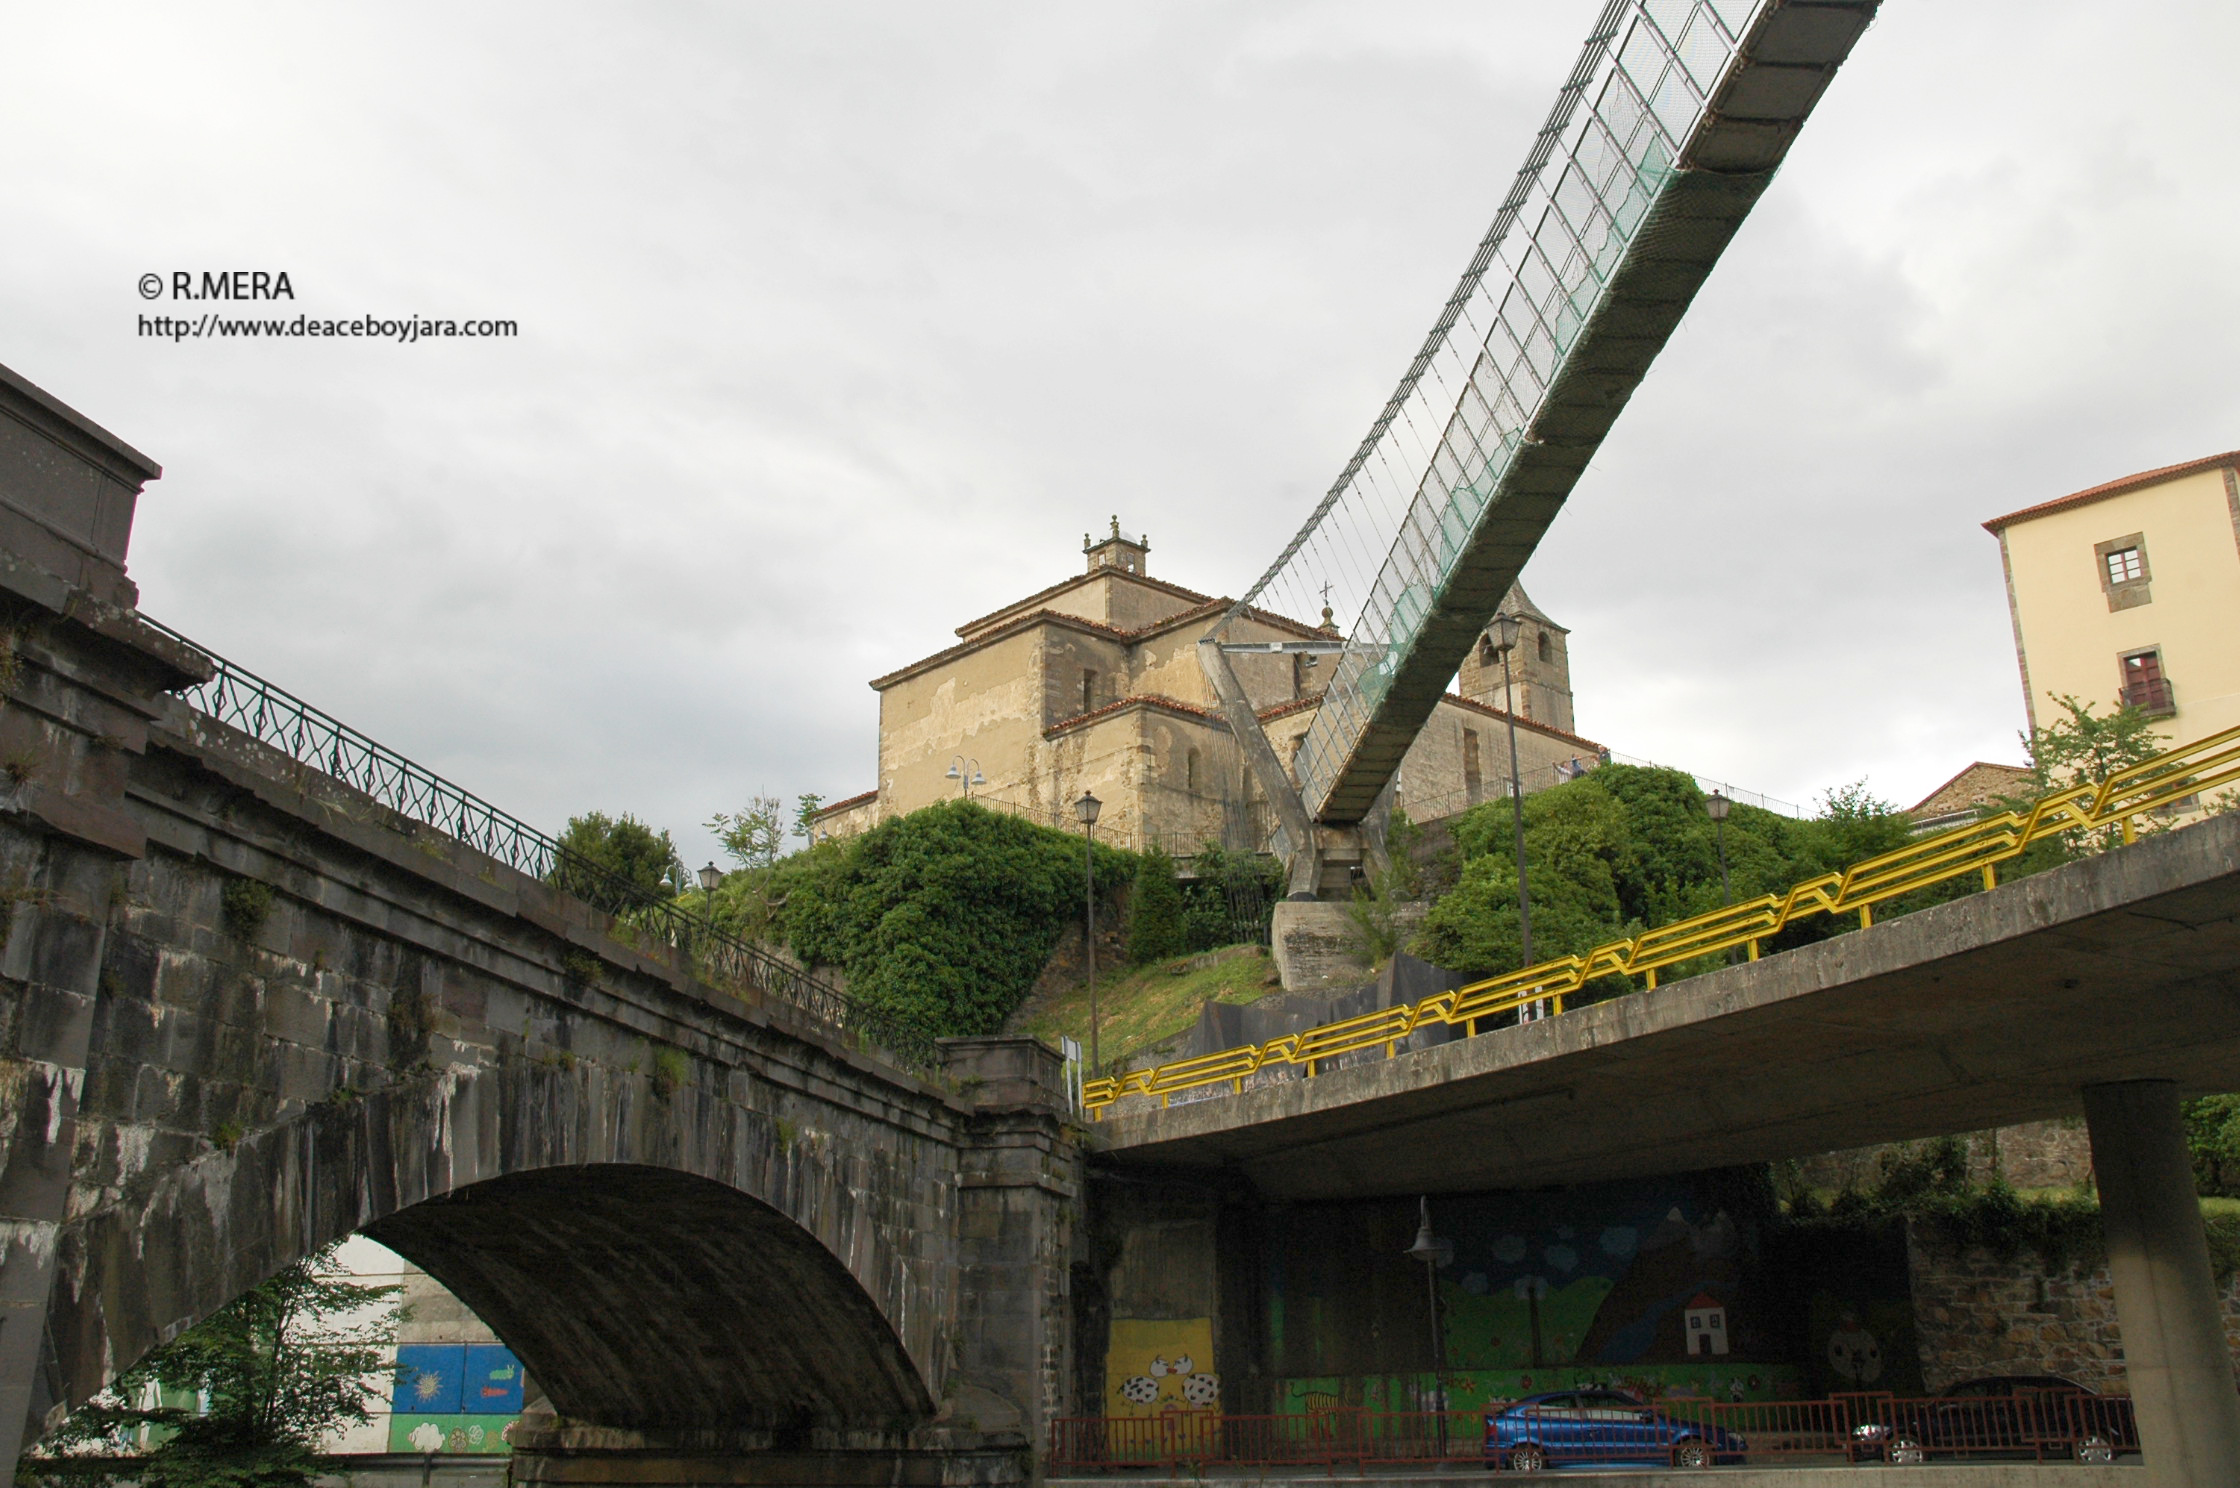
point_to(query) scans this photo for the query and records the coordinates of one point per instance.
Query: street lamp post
(1506, 629)
(1434, 1251)
(710, 877)
(1086, 810)
(1716, 806)
(967, 773)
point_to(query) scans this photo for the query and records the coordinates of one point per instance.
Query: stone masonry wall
(2035, 1154)
(1976, 1314)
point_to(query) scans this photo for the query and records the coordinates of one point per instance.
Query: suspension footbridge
(1668, 130)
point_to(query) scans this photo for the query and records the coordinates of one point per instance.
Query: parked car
(2002, 1414)
(1568, 1426)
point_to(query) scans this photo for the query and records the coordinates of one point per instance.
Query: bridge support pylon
(2174, 1347)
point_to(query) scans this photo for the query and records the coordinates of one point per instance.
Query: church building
(1094, 684)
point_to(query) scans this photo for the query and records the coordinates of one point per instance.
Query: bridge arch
(641, 1296)
(656, 1258)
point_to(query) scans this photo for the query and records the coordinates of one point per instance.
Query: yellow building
(2129, 592)
(1094, 684)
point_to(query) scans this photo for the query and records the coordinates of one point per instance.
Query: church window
(1190, 770)
(1547, 647)
(1486, 656)
(1473, 772)
(1088, 690)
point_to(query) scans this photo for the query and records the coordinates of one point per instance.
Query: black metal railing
(644, 919)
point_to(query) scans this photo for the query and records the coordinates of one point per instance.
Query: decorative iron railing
(2168, 782)
(240, 700)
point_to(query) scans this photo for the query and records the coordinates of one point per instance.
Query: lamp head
(1715, 805)
(1432, 1250)
(1086, 809)
(711, 877)
(1505, 630)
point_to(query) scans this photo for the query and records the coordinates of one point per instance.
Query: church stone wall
(984, 705)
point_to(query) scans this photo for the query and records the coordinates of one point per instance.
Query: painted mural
(1157, 1365)
(1851, 1294)
(454, 1397)
(1654, 1287)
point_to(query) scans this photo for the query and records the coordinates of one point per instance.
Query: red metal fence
(2048, 1426)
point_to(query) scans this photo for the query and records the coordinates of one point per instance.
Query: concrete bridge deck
(1994, 1009)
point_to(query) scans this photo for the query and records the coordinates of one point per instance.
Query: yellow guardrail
(1538, 991)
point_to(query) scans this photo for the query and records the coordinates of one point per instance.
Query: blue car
(1568, 1426)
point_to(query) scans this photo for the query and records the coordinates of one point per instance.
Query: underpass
(1994, 1009)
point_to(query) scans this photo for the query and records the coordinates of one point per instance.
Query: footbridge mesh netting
(1384, 544)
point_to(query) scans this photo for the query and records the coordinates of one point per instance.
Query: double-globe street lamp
(1506, 629)
(1086, 810)
(967, 773)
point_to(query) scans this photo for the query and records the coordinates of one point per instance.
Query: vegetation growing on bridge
(944, 916)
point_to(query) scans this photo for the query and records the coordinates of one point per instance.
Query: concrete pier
(2173, 1332)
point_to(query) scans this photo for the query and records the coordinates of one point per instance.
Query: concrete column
(2166, 1303)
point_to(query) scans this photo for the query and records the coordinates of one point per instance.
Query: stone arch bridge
(250, 1011)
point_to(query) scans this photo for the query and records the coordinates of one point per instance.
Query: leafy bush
(1927, 1183)
(1155, 927)
(2213, 1135)
(1228, 898)
(944, 916)
(625, 849)
(1630, 847)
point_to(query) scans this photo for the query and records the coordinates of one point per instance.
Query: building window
(1088, 690)
(1547, 647)
(1190, 771)
(2144, 686)
(1486, 656)
(2124, 574)
(1473, 771)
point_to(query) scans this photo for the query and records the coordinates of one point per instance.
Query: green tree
(943, 917)
(1155, 928)
(598, 848)
(1577, 836)
(1628, 847)
(805, 809)
(278, 1368)
(754, 837)
(2081, 748)
(2213, 1136)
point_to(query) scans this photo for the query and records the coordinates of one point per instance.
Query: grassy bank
(1146, 1006)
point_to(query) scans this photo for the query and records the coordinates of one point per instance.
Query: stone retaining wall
(1976, 1314)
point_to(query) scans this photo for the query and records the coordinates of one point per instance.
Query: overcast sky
(840, 323)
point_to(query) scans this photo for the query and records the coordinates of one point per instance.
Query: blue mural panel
(430, 1379)
(490, 1381)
